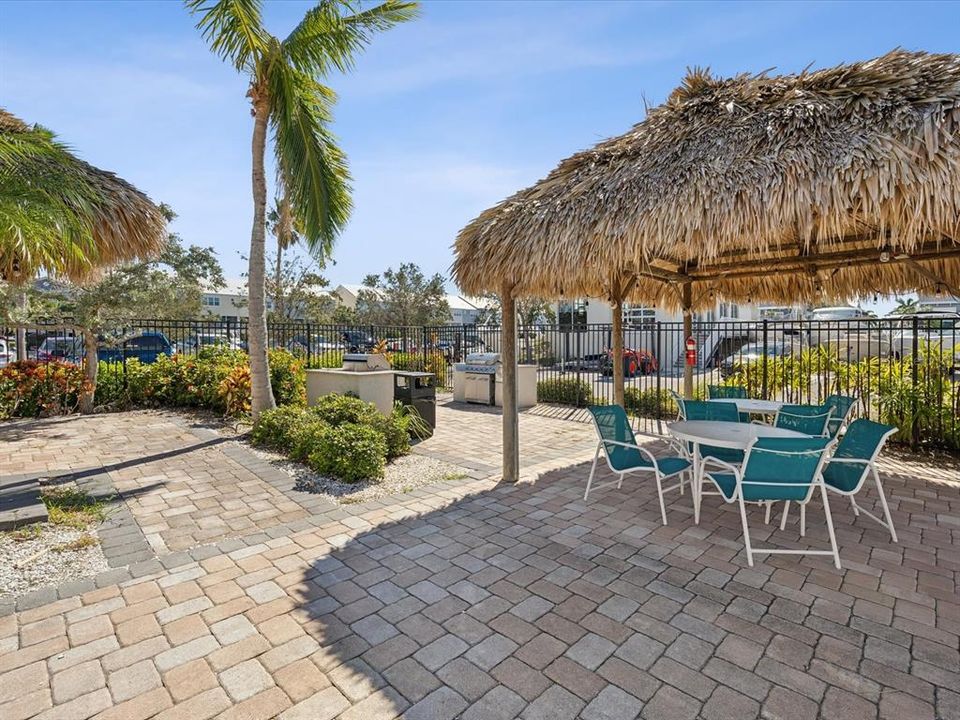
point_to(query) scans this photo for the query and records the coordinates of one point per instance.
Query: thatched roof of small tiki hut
(123, 223)
(839, 182)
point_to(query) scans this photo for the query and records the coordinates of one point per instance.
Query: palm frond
(326, 38)
(233, 29)
(307, 155)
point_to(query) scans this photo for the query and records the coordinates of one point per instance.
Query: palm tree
(906, 306)
(281, 225)
(286, 95)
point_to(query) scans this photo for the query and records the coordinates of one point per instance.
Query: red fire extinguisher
(691, 354)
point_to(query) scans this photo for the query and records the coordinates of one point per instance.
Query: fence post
(915, 400)
(763, 390)
(658, 355)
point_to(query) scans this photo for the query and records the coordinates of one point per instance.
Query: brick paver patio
(479, 600)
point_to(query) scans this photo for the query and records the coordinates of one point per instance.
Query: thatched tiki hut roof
(826, 184)
(837, 182)
(60, 214)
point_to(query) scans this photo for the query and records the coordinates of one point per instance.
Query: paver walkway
(479, 600)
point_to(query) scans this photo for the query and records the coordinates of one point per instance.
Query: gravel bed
(402, 475)
(51, 568)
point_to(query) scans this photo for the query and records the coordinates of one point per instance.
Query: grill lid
(482, 358)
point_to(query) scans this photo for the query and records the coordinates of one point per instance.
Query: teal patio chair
(854, 459)
(807, 419)
(681, 403)
(619, 445)
(715, 411)
(842, 407)
(775, 469)
(721, 392)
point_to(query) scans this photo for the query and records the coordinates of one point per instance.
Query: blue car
(145, 347)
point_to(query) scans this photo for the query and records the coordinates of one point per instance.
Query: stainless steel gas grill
(480, 372)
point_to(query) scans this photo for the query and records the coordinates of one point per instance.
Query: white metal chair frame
(869, 466)
(738, 497)
(654, 468)
(845, 420)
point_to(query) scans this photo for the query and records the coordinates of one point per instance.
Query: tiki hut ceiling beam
(925, 272)
(814, 263)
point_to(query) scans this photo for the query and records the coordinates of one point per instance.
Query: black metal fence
(906, 370)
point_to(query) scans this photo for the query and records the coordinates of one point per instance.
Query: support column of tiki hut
(830, 184)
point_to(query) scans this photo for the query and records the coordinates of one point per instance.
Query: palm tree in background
(286, 94)
(281, 225)
(906, 306)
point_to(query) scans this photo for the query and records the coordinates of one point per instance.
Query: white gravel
(51, 568)
(402, 475)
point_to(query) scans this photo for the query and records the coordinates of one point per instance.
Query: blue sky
(441, 118)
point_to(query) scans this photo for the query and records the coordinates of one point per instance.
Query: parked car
(357, 341)
(7, 353)
(939, 330)
(635, 362)
(315, 344)
(197, 341)
(67, 348)
(145, 348)
(752, 352)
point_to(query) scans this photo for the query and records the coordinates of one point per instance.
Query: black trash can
(418, 390)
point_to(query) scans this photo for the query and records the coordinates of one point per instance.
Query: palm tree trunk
(90, 367)
(22, 331)
(277, 291)
(262, 394)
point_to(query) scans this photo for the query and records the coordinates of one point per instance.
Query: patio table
(752, 405)
(719, 433)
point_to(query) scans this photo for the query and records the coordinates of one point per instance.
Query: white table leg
(695, 486)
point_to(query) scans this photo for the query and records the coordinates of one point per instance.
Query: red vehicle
(635, 362)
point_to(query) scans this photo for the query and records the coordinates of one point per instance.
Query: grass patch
(452, 476)
(84, 541)
(25, 533)
(73, 508)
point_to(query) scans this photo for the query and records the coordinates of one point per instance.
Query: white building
(463, 311)
(228, 302)
(598, 311)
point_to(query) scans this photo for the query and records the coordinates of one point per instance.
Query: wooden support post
(618, 395)
(686, 302)
(508, 357)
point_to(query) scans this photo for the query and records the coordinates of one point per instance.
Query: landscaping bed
(66, 547)
(345, 449)
(402, 475)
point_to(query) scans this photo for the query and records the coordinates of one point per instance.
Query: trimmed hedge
(216, 379)
(565, 391)
(32, 389)
(341, 436)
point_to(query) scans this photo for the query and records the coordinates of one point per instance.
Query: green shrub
(338, 409)
(287, 378)
(565, 391)
(649, 403)
(349, 452)
(396, 433)
(280, 428)
(306, 436)
(111, 387)
(32, 389)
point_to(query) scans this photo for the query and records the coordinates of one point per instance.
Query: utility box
(419, 390)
